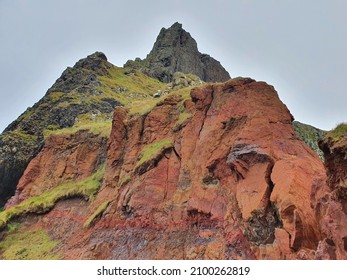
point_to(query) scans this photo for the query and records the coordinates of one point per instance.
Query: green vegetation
(130, 88)
(126, 82)
(310, 135)
(143, 106)
(16, 135)
(338, 133)
(20, 244)
(183, 117)
(125, 86)
(184, 114)
(153, 150)
(125, 180)
(98, 212)
(86, 188)
(101, 126)
(1, 209)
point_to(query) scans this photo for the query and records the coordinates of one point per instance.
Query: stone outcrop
(176, 51)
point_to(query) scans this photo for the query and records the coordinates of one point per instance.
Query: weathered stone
(176, 51)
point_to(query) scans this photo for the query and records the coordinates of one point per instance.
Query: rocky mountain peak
(175, 50)
(77, 77)
(92, 62)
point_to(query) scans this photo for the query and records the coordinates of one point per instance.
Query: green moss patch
(86, 188)
(125, 180)
(182, 119)
(97, 213)
(127, 81)
(20, 244)
(101, 126)
(151, 151)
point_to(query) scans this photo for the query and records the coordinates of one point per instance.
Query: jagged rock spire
(176, 51)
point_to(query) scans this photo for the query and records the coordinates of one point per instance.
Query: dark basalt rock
(176, 51)
(76, 77)
(16, 151)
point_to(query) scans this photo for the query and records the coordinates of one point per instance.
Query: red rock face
(235, 184)
(331, 209)
(231, 182)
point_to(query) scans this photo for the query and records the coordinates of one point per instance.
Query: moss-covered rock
(310, 135)
(338, 133)
(151, 154)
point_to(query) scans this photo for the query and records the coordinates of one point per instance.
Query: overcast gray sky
(298, 46)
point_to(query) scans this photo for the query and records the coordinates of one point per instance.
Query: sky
(298, 46)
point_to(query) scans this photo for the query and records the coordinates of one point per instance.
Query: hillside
(117, 163)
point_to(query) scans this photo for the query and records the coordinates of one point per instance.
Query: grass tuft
(101, 127)
(338, 133)
(182, 118)
(98, 212)
(153, 150)
(125, 180)
(86, 188)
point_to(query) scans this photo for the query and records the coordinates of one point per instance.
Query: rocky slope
(176, 51)
(123, 166)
